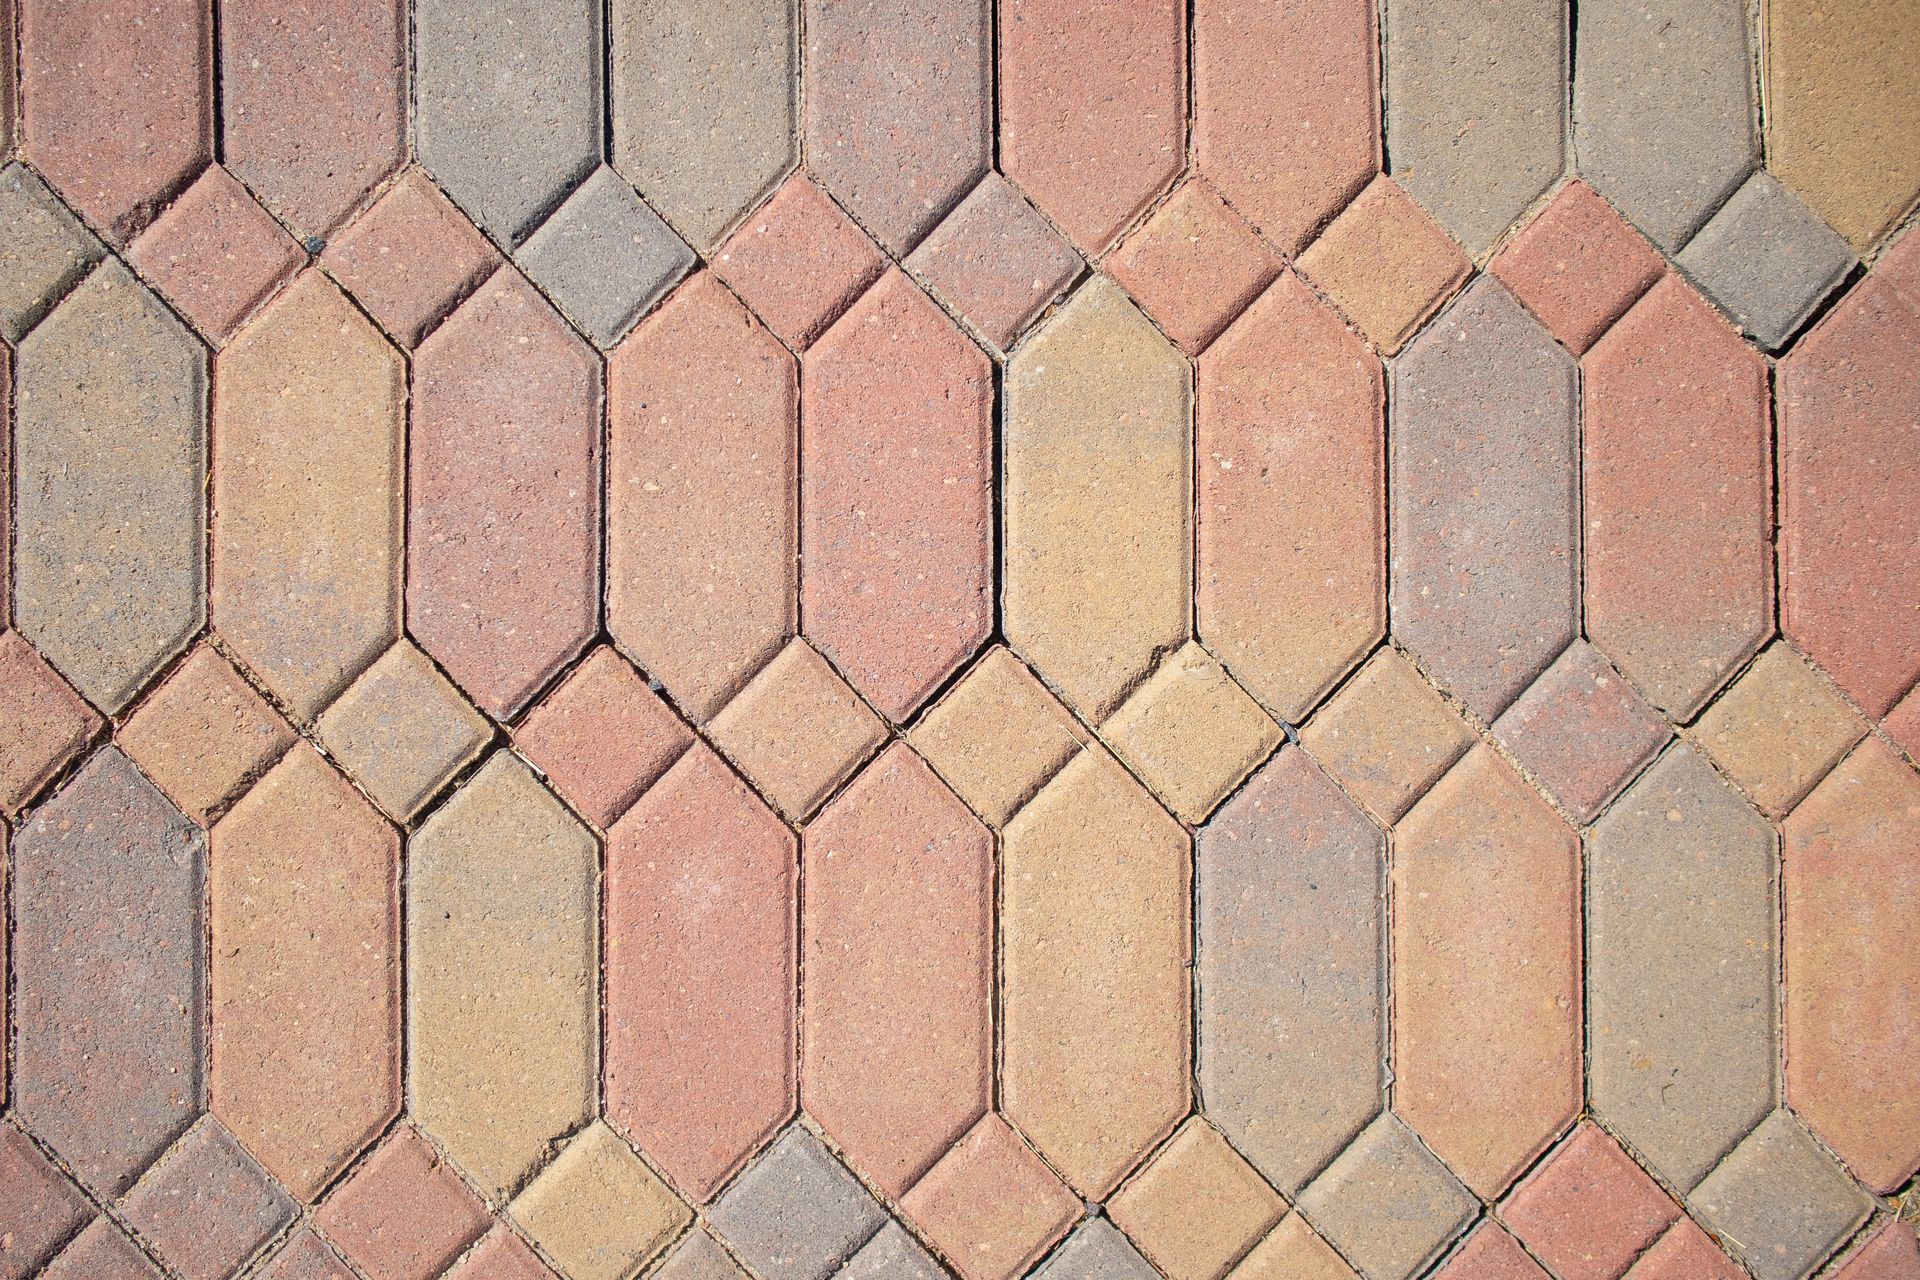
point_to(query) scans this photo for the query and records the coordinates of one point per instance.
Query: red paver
(799, 261)
(1850, 495)
(1194, 265)
(1286, 149)
(700, 969)
(1578, 265)
(897, 943)
(602, 737)
(43, 722)
(216, 254)
(1685, 1253)
(1588, 1210)
(1491, 1254)
(101, 1252)
(502, 1256)
(116, 102)
(896, 476)
(1890, 1255)
(1093, 108)
(403, 1215)
(991, 1204)
(306, 1257)
(207, 1207)
(313, 102)
(503, 529)
(1581, 730)
(411, 258)
(996, 261)
(39, 1209)
(1850, 883)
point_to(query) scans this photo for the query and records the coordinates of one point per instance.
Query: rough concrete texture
(1767, 259)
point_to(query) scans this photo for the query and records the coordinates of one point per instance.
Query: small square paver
(1588, 1210)
(502, 1255)
(1581, 730)
(1780, 1202)
(207, 1206)
(796, 1213)
(1490, 1253)
(1292, 1251)
(598, 1211)
(602, 736)
(605, 257)
(1386, 1203)
(1097, 1251)
(996, 261)
(216, 254)
(305, 1256)
(411, 258)
(1578, 266)
(799, 262)
(797, 729)
(40, 1210)
(1685, 1252)
(404, 1214)
(43, 254)
(1387, 735)
(997, 735)
(1192, 732)
(101, 1252)
(205, 735)
(1386, 263)
(43, 722)
(991, 1204)
(1196, 1206)
(1767, 259)
(699, 1257)
(1778, 729)
(1194, 265)
(892, 1255)
(402, 729)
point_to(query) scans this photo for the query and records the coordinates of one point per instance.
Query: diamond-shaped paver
(1588, 1210)
(101, 1252)
(411, 258)
(45, 253)
(205, 735)
(1581, 730)
(1767, 259)
(1194, 265)
(1386, 1204)
(1779, 1202)
(797, 730)
(1386, 263)
(403, 1214)
(997, 735)
(991, 1204)
(1196, 1206)
(1778, 729)
(306, 1257)
(207, 1207)
(1292, 1251)
(1096, 1251)
(1577, 265)
(892, 1255)
(502, 1255)
(605, 257)
(996, 261)
(598, 1210)
(41, 1211)
(216, 254)
(1685, 1252)
(401, 730)
(799, 261)
(699, 1257)
(1490, 1253)
(1387, 736)
(43, 722)
(1191, 732)
(602, 736)
(796, 1214)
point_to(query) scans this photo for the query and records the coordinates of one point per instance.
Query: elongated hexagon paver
(1779, 1202)
(503, 488)
(1679, 570)
(1581, 731)
(116, 102)
(997, 735)
(1778, 729)
(598, 1210)
(797, 1214)
(996, 261)
(1194, 265)
(503, 914)
(799, 261)
(109, 572)
(204, 735)
(605, 257)
(1196, 1206)
(403, 1214)
(42, 1210)
(402, 730)
(411, 257)
(281, 71)
(108, 877)
(1851, 882)
(1096, 1251)
(1386, 263)
(700, 969)
(306, 979)
(1476, 108)
(101, 1252)
(1092, 109)
(46, 252)
(208, 1207)
(602, 737)
(309, 422)
(1764, 222)
(1681, 961)
(1291, 969)
(1387, 736)
(1386, 1203)
(1577, 266)
(1292, 1251)
(991, 1204)
(1094, 922)
(1098, 489)
(897, 943)
(1850, 494)
(215, 254)
(1486, 972)
(1290, 451)
(898, 116)
(797, 730)
(1663, 109)
(43, 722)
(1588, 1210)
(896, 476)
(1191, 733)
(702, 403)
(1286, 150)
(1486, 539)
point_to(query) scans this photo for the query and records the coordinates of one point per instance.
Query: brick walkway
(894, 639)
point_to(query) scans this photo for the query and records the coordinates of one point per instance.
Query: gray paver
(796, 1214)
(42, 254)
(892, 1255)
(1097, 1251)
(1767, 259)
(605, 257)
(1779, 1201)
(1387, 1203)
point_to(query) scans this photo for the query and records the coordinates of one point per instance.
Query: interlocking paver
(605, 257)
(116, 102)
(996, 261)
(1850, 879)
(306, 1257)
(797, 730)
(703, 105)
(1778, 729)
(41, 1209)
(1196, 1206)
(1491, 1254)
(108, 877)
(701, 497)
(1890, 1255)
(1098, 456)
(899, 105)
(1191, 733)
(309, 421)
(1287, 150)
(216, 254)
(1581, 730)
(1681, 967)
(1663, 108)
(402, 730)
(207, 1207)
(1291, 969)
(508, 122)
(797, 1214)
(698, 1257)
(1588, 1210)
(46, 251)
(1387, 736)
(1779, 1202)
(997, 735)
(1095, 1055)
(1486, 974)
(1386, 263)
(305, 974)
(896, 476)
(1764, 222)
(204, 735)
(1685, 1252)
(892, 1255)
(502, 1004)
(1386, 1203)
(502, 1255)
(1290, 451)
(597, 1210)
(1096, 1251)
(799, 261)
(43, 722)
(101, 1252)
(1577, 265)
(1194, 265)
(1092, 109)
(1292, 1251)
(1486, 539)
(402, 1214)
(700, 968)
(109, 461)
(411, 258)
(991, 1204)
(602, 737)
(1476, 108)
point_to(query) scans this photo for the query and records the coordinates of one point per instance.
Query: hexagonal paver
(1196, 1206)
(597, 1210)
(602, 737)
(411, 258)
(1191, 733)
(46, 251)
(996, 261)
(605, 257)
(207, 1207)
(216, 254)
(1581, 730)
(1779, 1201)
(797, 730)
(1386, 1203)
(1386, 263)
(991, 1204)
(1387, 736)
(43, 722)
(402, 1214)
(402, 730)
(1778, 729)
(1194, 265)
(797, 1214)
(799, 261)
(1588, 1211)
(1578, 265)
(997, 735)
(1764, 222)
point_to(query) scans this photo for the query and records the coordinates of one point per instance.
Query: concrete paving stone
(896, 501)
(207, 1207)
(796, 1214)
(1685, 1252)
(411, 258)
(797, 730)
(109, 461)
(1588, 1210)
(1850, 881)
(503, 913)
(402, 730)
(1902, 724)
(508, 123)
(1899, 265)
(1681, 966)
(1490, 1253)
(43, 722)
(1097, 448)
(1890, 1255)
(502, 1255)
(9, 77)
(892, 1255)
(1581, 731)
(1577, 265)
(108, 877)
(41, 1210)
(1765, 223)
(1850, 495)
(204, 735)
(1386, 1203)
(1663, 109)
(1779, 1202)
(799, 262)
(306, 980)
(1385, 263)
(898, 117)
(997, 735)
(101, 1252)
(1778, 729)
(598, 1211)
(605, 257)
(1291, 970)
(1093, 122)
(990, 1204)
(699, 1257)
(1387, 736)
(309, 421)
(46, 251)
(704, 106)
(1194, 265)
(1292, 1251)
(305, 1257)
(700, 973)
(996, 261)
(402, 1214)
(1191, 733)
(215, 254)
(1095, 946)
(1476, 109)
(1096, 1251)
(116, 103)
(1486, 535)
(1197, 1206)
(1287, 150)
